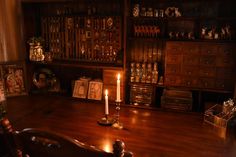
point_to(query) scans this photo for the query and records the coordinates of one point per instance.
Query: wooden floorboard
(147, 133)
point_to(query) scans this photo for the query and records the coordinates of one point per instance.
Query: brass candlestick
(106, 121)
(117, 123)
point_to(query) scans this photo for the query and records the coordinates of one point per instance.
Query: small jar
(143, 12)
(149, 12)
(136, 10)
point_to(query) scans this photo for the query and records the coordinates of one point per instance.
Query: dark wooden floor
(147, 133)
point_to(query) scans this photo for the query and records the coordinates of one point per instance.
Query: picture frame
(95, 90)
(80, 89)
(14, 79)
(2, 91)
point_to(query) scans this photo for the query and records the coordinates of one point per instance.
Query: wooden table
(147, 133)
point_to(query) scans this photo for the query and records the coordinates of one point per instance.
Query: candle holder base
(106, 121)
(117, 125)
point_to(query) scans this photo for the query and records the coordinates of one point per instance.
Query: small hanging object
(36, 52)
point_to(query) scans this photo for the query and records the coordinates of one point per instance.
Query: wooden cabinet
(194, 52)
(209, 66)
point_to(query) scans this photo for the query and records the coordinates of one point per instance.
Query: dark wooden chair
(32, 142)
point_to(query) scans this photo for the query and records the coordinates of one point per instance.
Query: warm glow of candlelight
(106, 103)
(118, 76)
(118, 88)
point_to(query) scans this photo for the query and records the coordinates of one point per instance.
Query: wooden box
(110, 83)
(176, 100)
(141, 94)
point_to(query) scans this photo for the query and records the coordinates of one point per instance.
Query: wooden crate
(176, 100)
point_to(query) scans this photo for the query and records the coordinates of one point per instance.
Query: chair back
(32, 142)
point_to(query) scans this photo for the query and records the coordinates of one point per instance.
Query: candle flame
(106, 92)
(118, 76)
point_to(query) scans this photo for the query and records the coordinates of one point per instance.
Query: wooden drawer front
(207, 72)
(173, 59)
(191, 48)
(189, 82)
(176, 100)
(223, 61)
(226, 50)
(191, 59)
(225, 73)
(141, 94)
(208, 61)
(112, 92)
(174, 48)
(172, 69)
(209, 49)
(110, 77)
(224, 84)
(172, 80)
(206, 83)
(189, 71)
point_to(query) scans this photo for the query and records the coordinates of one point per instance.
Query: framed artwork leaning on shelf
(95, 90)
(80, 89)
(14, 79)
(2, 92)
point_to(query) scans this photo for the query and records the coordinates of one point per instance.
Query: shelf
(150, 84)
(80, 65)
(187, 40)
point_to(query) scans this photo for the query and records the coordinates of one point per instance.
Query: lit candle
(118, 88)
(106, 102)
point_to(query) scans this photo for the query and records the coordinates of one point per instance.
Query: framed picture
(95, 90)
(80, 89)
(14, 79)
(2, 92)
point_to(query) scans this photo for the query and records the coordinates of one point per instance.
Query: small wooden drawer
(208, 49)
(110, 77)
(173, 69)
(225, 73)
(190, 71)
(226, 50)
(223, 61)
(206, 83)
(173, 59)
(189, 82)
(191, 48)
(191, 59)
(172, 80)
(207, 72)
(224, 84)
(174, 48)
(208, 60)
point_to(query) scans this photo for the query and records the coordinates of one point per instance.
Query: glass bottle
(132, 72)
(31, 51)
(155, 73)
(137, 72)
(149, 73)
(143, 78)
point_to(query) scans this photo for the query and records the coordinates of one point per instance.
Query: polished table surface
(147, 133)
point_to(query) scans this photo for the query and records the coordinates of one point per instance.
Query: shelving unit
(83, 37)
(197, 55)
(192, 46)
